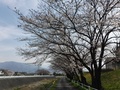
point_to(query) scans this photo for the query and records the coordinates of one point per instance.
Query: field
(110, 80)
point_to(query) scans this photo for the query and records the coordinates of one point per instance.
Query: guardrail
(87, 87)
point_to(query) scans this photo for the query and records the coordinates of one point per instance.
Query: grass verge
(41, 85)
(110, 80)
(54, 84)
(76, 85)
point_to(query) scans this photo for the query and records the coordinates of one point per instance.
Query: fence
(86, 87)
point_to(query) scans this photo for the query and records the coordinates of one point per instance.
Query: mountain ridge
(18, 66)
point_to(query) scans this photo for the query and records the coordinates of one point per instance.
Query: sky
(9, 32)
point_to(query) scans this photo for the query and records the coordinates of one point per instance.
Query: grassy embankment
(110, 80)
(41, 85)
(77, 86)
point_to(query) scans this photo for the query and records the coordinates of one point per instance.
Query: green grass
(45, 86)
(110, 80)
(17, 88)
(76, 85)
(54, 84)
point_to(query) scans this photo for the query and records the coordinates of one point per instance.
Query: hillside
(110, 80)
(19, 67)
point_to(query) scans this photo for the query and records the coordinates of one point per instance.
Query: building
(1, 72)
(114, 62)
(4, 72)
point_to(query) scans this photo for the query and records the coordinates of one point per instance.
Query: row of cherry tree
(73, 34)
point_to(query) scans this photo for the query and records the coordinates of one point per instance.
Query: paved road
(64, 85)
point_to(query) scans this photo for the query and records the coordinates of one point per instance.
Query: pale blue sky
(9, 32)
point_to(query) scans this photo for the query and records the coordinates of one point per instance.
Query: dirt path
(64, 85)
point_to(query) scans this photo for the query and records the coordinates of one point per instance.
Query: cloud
(9, 2)
(10, 32)
(9, 43)
(8, 37)
(22, 5)
(10, 55)
(6, 48)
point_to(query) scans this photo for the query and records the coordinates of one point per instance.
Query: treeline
(72, 34)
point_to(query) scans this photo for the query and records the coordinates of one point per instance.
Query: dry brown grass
(35, 85)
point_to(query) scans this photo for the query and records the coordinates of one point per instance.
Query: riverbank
(7, 83)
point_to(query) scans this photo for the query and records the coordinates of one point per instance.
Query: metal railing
(86, 87)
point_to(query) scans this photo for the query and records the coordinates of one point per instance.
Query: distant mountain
(18, 67)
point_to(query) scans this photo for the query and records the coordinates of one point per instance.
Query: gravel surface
(64, 85)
